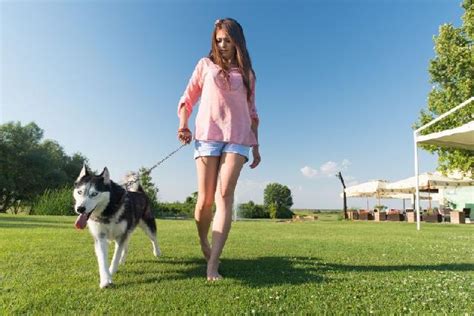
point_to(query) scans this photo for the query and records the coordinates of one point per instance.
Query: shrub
(54, 202)
(252, 210)
(174, 209)
(279, 211)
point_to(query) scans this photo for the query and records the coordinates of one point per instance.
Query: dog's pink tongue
(81, 221)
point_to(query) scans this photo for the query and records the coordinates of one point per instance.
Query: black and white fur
(112, 213)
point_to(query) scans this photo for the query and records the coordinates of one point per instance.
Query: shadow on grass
(33, 222)
(267, 271)
(460, 267)
(258, 272)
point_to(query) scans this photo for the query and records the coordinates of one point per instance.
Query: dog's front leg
(117, 255)
(124, 250)
(101, 251)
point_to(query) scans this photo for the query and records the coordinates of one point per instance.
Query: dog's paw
(105, 284)
(157, 252)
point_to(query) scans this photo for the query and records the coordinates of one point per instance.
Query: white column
(417, 192)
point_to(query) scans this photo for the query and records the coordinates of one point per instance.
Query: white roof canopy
(461, 137)
(427, 181)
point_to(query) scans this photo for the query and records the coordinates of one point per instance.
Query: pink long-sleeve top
(224, 112)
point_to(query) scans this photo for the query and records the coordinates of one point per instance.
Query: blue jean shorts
(214, 148)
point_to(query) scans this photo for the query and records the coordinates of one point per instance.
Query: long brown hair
(236, 34)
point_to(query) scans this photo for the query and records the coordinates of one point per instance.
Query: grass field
(46, 266)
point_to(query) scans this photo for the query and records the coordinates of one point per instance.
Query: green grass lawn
(47, 266)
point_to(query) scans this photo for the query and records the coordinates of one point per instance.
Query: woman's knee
(204, 202)
(202, 213)
(226, 194)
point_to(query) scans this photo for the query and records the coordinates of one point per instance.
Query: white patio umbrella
(428, 182)
(374, 188)
(366, 189)
(383, 194)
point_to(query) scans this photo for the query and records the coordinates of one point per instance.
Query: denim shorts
(215, 148)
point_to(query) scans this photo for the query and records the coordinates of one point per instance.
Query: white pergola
(461, 137)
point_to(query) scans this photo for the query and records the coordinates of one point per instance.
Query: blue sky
(339, 85)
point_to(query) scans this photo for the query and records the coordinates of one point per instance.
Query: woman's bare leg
(229, 171)
(207, 168)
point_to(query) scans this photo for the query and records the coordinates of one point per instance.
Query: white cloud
(309, 172)
(345, 163)
(329, 169)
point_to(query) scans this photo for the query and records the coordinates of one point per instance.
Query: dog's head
(91, 192)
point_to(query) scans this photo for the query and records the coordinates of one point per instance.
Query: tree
(252, 210)
(28, 165)
(277, 200)
(192, 199)
(452, 75)
(149, 187)
(276, 211)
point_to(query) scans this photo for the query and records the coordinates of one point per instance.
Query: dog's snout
(81, 209)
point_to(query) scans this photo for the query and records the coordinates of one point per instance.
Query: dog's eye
(93, 194)
(79, 192)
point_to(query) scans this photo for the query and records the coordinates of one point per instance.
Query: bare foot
(212, 271)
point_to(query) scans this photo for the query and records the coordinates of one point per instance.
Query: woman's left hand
(256, 157)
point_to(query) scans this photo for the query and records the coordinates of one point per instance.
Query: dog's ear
(84, 172)
(105, 174)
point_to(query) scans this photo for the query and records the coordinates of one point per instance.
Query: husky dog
(112, 212)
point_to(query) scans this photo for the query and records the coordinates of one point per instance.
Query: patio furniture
(411, 216)
(395, 216)
(365, 215)
(353, 215)
(457, 217)
(380, 216)
(467, 212)
(446, 213)
(432, 217)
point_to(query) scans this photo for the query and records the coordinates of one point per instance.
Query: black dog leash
(163, 160)
(129, 183)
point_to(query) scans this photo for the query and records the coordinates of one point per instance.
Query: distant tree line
(37, 176)
(277, 202)
(30, 165)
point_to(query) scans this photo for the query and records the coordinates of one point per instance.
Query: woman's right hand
(256, 157)
(184, 135)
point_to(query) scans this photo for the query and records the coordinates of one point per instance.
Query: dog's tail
(131, 182)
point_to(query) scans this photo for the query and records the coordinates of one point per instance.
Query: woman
(226, 129)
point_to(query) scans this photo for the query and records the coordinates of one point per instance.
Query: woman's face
(224, 44)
